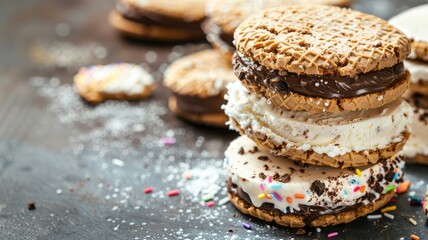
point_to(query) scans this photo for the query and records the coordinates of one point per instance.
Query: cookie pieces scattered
(121, 81)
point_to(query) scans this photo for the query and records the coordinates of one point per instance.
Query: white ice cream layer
(333, 134)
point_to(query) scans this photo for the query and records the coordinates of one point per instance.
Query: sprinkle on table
(173, 193)
(223, 201)
(210, 204)
(247, 226)
(207, 197)
(412, 221)
(388, 215)
(414, 237)
(403, 187)
(148, 190)
(388, 209)
(187, 175)
(333, 234)
(168, 141)
(374, 216)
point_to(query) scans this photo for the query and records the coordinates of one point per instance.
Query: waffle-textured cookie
(202, 74)
(198, 83)
(291, 220)
(414, 23)
(115, 81)
(320, 40)
(186, 10)
(228, 14)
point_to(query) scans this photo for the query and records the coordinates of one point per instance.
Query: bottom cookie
(297, 195)
(210, 119)
(296, 221)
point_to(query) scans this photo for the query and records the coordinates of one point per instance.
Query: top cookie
(320, 40)
(188, 10)
(414, 23)
(202, 74)
(228, 14)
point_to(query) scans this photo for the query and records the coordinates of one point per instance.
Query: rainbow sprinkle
(388, 209)
(168, 141)
(333, 234)
(261, 196)
(270, 179)
(246, 226)
(262, 187)
(357, 188)
(210, 204)
(173, 193)
(390, 216)
(414, 237)
(299, 196)
(358, 172)
(148, 190)
(403, 187)
(277, 196)
(289, 200)
(412, 221)
(390, 188)
(275, 186)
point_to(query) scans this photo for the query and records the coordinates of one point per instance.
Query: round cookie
(159, 19)
(198, 84)
(416, 148)
(338, 140)
(224, 16)
(414, 23)
(279, 190)
(418, 76)
(118, 81)
(298, 56)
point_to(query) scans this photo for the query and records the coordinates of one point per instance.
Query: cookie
(416, 148)
(224, 16)
(198, 84)
(414, 23)
(339, 140)
(160, 20)
(419, 76)
(297, 55)
(121, 81)
(279, 190)
(426, 205)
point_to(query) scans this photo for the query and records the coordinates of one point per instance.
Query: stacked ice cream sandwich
(414, 23)
(320, 112)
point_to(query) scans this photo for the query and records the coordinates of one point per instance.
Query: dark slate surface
(85, 167)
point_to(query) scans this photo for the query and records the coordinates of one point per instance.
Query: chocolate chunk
(241, 151)
(262, 176)
(266, 167)
(254, 150)
(389, 176)
(284, 178)
(263, 158)
(31, 205)
(230, 230)
(318, 187)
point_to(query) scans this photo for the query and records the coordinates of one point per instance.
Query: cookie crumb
(31, 205)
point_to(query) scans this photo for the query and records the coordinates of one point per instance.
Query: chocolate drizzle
(324, 86)
(191, 104)
(151, 18)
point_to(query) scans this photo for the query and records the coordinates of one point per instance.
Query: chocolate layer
(196, 105)
(151, 18)
(325, 86)
(216, 35)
